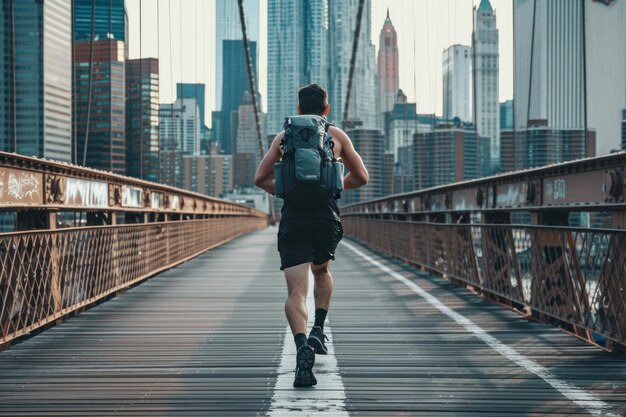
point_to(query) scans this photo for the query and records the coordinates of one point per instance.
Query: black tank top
(329, 211)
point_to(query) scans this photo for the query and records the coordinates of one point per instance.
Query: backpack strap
(328, 139)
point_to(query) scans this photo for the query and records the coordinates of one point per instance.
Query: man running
(308, 237)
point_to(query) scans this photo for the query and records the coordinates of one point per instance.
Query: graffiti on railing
(20, 186)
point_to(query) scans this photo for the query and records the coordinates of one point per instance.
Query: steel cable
(355, 45)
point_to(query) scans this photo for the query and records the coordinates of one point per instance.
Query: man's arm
(358, 175)
(264, 177)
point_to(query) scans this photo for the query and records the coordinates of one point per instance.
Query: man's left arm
(264, 177)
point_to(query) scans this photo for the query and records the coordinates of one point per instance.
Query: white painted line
(327, 398)
(582, 398)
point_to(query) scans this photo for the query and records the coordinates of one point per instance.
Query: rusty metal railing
(127, 230)
(547, 242)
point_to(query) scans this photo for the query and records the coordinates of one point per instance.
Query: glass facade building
(449, 154)
(110, 20)
(298, 54)
(142, 118)
(228, 27)
(100, 127)
(235, 83)
(35, 78)
(541, 145)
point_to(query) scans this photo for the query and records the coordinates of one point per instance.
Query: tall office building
(142, 118)
(370, 144)
(235, 83)
(298, 54)
(486, 77)
(388, 76)
(450, 153)
(207, 174)
(36, 78)
(553, 58)
(540, 144)
(342, 17)
(624, 129)
(99, 113)
(110, 20)
(506, 115)
(228, 27)
(179, 126)
(456, 82)
(196, 92)
(247, 155)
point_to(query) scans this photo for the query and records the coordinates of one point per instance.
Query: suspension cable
(172, 141)
(195, 76)
(14, 76)
(140, 96)
(158, 130)
(246, 47)
(530, 77)
(355, 45)
(89, 88)
(251, 80)
(530, 74)
(474, 101)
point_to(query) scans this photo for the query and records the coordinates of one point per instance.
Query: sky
(183, 38)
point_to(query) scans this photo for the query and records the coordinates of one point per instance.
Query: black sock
(320, 317)
(300, 339)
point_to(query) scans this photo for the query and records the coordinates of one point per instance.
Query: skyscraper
(388, 76)
(36, 78)
(369, 143)
(142, 118)
(196, 92)
(486, 77)
(100, 105)
(506, 115)
(448, 154)
(179, 126)
(550, 64)
(110, 20)
(235, 83)
(363, 95)
(456, 82)
(246, 146)
(228, 27)
(298, 54)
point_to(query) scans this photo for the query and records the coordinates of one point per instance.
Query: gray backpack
(308, 174)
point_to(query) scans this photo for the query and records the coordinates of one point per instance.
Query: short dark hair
(312, 99)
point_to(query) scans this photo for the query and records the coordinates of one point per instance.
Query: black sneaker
(316, 340)
(305, 359)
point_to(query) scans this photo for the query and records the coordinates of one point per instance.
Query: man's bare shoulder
(337, 133)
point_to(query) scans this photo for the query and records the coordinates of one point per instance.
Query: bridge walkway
(209, 337)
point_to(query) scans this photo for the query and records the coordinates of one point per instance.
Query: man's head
(313, 99)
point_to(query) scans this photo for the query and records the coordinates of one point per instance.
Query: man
(308, 237)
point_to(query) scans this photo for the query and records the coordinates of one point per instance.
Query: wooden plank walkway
(207, 337)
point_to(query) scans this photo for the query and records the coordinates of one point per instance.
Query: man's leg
(297, 288)
(295, 308)
(322, 291)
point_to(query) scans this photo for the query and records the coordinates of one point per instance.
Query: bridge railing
(82, 235)
(547, 242)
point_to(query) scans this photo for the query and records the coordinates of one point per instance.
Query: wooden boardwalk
(207, 338)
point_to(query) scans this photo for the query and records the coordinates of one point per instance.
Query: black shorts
(302, 241)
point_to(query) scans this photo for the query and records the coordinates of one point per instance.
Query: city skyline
(434, 25)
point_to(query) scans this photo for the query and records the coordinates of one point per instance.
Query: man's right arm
(358, 175)
(264, 177)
